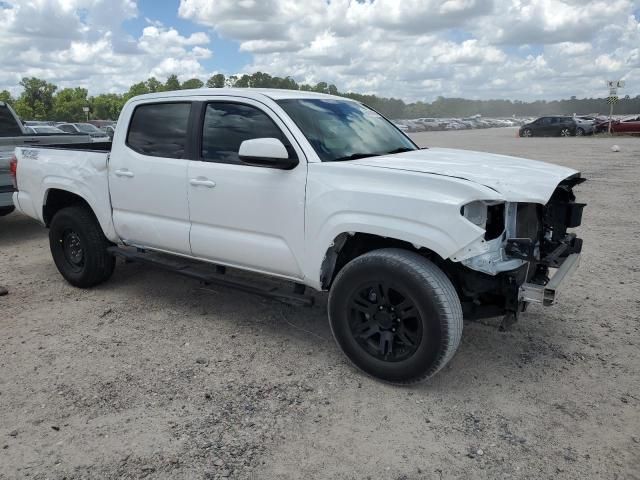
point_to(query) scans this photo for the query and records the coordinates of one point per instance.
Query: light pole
(86, 110)
(613, 85)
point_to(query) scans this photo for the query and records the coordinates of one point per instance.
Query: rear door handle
(123, 173)
(202, 182)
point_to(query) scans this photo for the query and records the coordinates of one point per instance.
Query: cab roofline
(256, 93)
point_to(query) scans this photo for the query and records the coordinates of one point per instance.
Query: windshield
(87, 128)
(345, 130)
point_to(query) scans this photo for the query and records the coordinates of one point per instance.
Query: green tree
(154, 85)
(68, 104)
(172, 83)
(216, 81)
(192, 83)
(107, 106)
(321, 87)
(36, 100)
(139, 88)
(5, 96)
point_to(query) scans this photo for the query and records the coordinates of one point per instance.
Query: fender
(97, 199)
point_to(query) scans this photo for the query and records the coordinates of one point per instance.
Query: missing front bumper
(547, 294)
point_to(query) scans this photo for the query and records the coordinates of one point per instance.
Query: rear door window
(160, 129)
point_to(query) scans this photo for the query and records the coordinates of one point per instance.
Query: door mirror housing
(266, 152)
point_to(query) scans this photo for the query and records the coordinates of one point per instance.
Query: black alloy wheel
(395, 315)
(385, 322)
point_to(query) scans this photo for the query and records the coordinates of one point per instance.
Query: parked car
(94, 132)
(584, 126)
(13, 134)
(627, 125)
(550, 127)
(38, 123)
(320, 191)
(46, 129)
(109, 130)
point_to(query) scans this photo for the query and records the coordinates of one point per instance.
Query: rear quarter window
(159, 129)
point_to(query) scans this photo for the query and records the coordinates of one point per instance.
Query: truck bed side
(12, 135)
(43, 173)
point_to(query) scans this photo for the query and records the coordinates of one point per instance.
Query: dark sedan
(550, 127)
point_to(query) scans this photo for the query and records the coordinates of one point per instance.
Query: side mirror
(266, 152)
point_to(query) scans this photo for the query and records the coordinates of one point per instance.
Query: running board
(202, 271)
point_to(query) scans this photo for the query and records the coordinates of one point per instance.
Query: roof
(256, 93)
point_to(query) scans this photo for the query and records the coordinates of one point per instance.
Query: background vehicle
(109, 130)
(550, 127)
(584, 126)
(320, 191)
(627, 125)
(38, 123)
(47, 129)
(94, 132)
(12, 134)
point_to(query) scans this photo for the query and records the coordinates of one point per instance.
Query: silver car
(584, 126)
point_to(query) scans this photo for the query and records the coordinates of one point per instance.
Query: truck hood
(516, 179)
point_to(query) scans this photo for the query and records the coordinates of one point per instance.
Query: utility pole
(613, 97)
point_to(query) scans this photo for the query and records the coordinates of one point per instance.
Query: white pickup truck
(320, 191)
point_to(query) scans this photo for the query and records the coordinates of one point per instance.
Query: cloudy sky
(412, 49)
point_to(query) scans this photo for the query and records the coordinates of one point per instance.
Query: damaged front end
(524, 256)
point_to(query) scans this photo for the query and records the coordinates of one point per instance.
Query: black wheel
(579, 132)
(6, 210)
(565, 132)
(527, 132)
(79, 247)
(395, 315)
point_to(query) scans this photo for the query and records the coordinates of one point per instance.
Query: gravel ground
(151, 375)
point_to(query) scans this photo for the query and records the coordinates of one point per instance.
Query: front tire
(526, 133)
(395, 315)
(580, 132)
(79, 247)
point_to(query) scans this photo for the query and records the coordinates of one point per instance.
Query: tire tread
(447, 302)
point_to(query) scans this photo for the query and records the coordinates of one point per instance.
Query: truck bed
(9, 144)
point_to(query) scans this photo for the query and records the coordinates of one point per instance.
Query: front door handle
(202, 182)
(124, 173)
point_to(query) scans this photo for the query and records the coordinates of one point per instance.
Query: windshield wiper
(400, 150)
(355, 156)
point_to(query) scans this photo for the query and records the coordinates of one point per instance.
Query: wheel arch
(348, 245)
(56, 198)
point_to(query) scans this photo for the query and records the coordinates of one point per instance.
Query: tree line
(42, 100)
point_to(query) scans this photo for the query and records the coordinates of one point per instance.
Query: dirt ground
(150, 375)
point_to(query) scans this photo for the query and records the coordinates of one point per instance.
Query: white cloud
(413, 49)
(422, 48)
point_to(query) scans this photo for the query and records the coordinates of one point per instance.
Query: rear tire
(6, 210)
(79, 247)
(395, 315)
